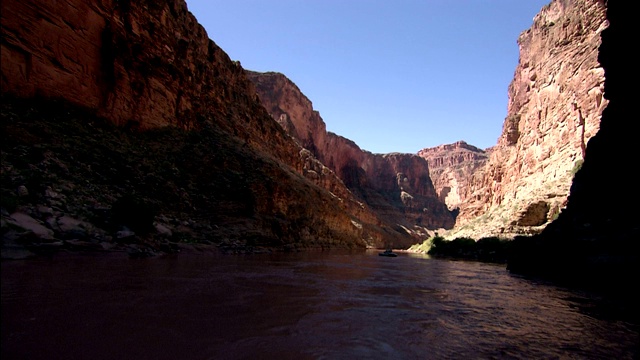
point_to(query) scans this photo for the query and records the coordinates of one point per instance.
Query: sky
(393, 76)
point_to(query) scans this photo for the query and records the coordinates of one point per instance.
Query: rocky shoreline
(74, 182)
(25, 236)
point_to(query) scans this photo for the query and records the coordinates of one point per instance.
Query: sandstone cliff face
(148, 65)
(450, 167)
(595, 240)
(396, 186)
(132, 61)
(140, 64)
(555, 105)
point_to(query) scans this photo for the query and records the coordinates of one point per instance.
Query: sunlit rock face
(555, 106)
(450, 168)
(148, 64)
(396, 186)
(595, 240)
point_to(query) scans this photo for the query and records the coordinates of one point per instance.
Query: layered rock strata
(145, 65)
(450, 168)
(396, 186)
(595, 240)
(555, 105)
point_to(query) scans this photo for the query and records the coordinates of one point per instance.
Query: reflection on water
(317, 305)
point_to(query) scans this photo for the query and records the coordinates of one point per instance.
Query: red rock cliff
(396, 186)
(451, 167)
(595, 240)
(143, 62)
(148, 64)
(555, 105)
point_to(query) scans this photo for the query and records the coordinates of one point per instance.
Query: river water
(312, 305)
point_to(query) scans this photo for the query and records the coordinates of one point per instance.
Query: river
(311, 305)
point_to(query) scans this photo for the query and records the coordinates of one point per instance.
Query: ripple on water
(310, 306)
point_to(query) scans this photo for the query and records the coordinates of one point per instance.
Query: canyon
(243, 183)
(594, 240)
(396, 186)
(125, 127)
(521, 184)
(516, 187)
(451, 167)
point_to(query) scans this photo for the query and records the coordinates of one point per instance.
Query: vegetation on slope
(489, 249)
(205, 186)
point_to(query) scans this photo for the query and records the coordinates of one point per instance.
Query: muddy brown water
(315, 305)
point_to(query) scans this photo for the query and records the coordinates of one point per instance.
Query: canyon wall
(451, 167)
(555, 105)
(595, 240)
(141, 64)
(396, 186)
(145, 65)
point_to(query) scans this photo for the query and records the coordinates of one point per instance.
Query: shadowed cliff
(595, 240)
(555, 106)
(396, 186)
(124, 126)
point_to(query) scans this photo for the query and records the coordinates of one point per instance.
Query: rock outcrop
(150, 68)
(595, 240)
(450, 168)
(555, 105)
(396, 186)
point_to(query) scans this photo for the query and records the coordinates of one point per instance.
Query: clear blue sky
(393, 76)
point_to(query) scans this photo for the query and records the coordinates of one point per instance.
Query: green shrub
(490, 249)
(426, 245)
(459, 247)
(438, 241)
(577, 166)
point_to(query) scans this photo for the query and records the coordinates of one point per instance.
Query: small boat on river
(388, 252)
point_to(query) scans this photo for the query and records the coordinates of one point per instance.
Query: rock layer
(396, 186)
(145, 65)
(555, 105)
(450, 167)
(594, 241)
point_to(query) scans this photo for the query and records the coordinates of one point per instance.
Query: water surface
(316, 305)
